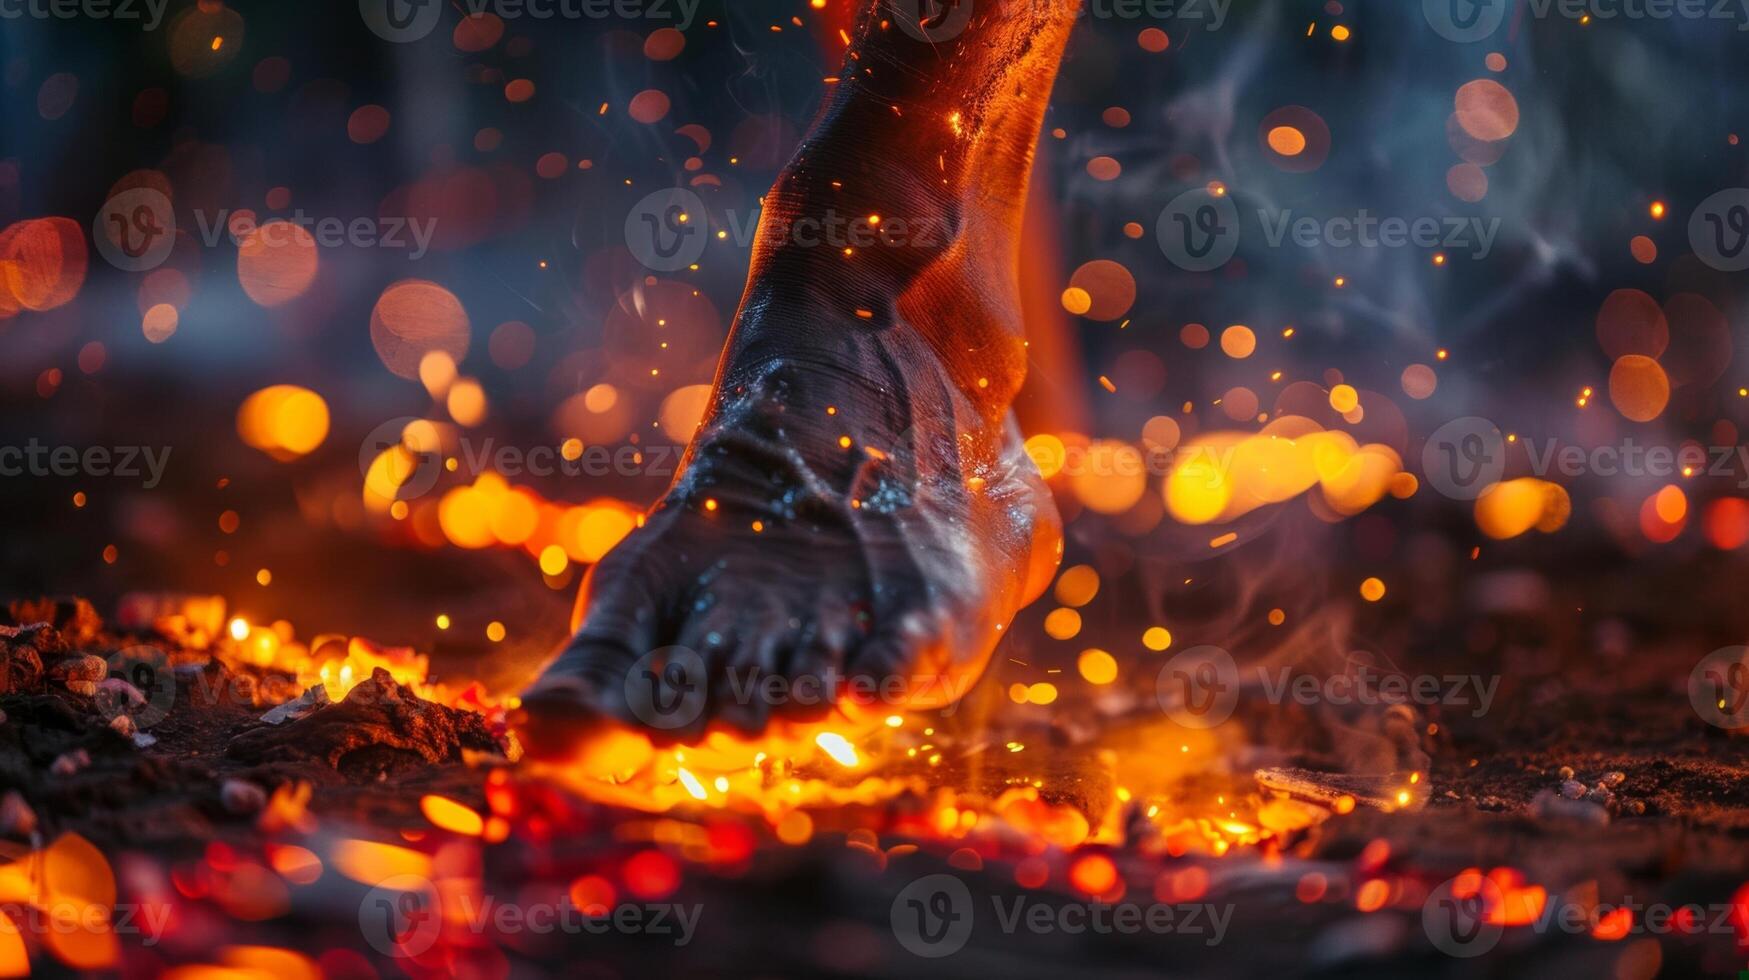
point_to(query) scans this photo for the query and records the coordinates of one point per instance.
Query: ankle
(898, 359)
(856, 227)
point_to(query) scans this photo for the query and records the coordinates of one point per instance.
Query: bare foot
(856, 521)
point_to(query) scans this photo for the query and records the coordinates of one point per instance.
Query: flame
(1613, 925)
(369, 862)
(298, 865)
(838, 747)
(1514, 507)
(71, 882)
(451, 816)
(1222, 476)
(797, 775)
(14, 961)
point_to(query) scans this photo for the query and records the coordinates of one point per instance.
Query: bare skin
(857, 503)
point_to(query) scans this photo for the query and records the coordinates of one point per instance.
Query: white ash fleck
(1549, 805)
(242, 797)
(313, 699)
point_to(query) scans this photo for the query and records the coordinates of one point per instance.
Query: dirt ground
(1345, 897)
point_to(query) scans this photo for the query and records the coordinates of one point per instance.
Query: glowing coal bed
(248, 823)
